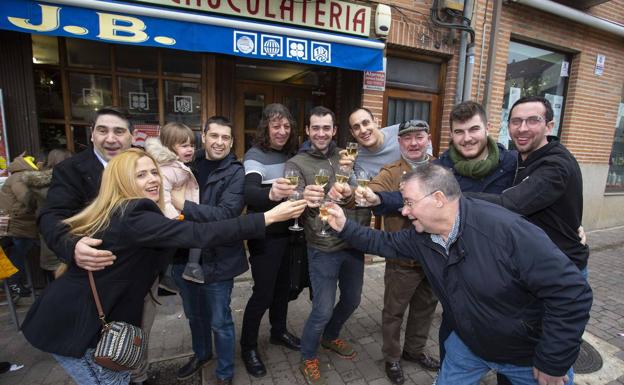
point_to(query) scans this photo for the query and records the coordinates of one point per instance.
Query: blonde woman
(127, 215)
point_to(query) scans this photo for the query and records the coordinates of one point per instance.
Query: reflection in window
(88, 93)
(615, 177)
(88, 54)
(534, 71)
(183, 103)
(49, 94)
(82, 137)
(52, 136)
(45, 49)
(132, 58)
(140, 98)
(181, 63)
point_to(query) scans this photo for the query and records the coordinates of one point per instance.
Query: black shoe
(424, 360)
(286, 339)
(394, 372)
(191, 367)
(253, 363)
(19, 290)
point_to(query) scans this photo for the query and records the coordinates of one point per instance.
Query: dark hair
(119, 112)
(56, 156)
(221, 121)
(464, 111)
(540, 99)
(321, 111)
(364, 109)
(270, 112)
(433, 177)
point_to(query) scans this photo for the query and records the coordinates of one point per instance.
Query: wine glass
(342, 176)
(362, 179)
(322, 177)
(352, 150)
(295, 196)
(323, 215)
(293, 177)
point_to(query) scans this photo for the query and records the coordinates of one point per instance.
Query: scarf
(472, 168)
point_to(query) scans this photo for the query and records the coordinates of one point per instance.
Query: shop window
(140, 98)
(534, 71)
(181, 63)
(82, 137)
(49, 94)
(45, 49)
(52, 136)
(412, 74)
(615, 177)
(130, 58)
(88, 93)
(183, 103)
(88, 54)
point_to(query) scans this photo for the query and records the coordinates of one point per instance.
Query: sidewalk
(170, 340)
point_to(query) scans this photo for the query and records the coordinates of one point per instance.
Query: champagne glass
(352, 149)
(323, 215)
(295, 196)
(293, 177)
(362, 179)
(321, 178)
(342, 176)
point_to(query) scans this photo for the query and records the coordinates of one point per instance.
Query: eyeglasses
(410, 203)
(414, 123)
(531, 121)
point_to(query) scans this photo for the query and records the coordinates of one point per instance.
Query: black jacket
(507, 290)
(142, 238)
(548, 191)
(75, 183)
(222, 197)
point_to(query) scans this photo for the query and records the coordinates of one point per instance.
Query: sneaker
(311, 372)
(167, 284)
(339, 346)
(19, 290)
(193, 272)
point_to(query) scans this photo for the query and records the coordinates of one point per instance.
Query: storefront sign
(332, 15)
(33, 17)
(4, 145)
(375, 80)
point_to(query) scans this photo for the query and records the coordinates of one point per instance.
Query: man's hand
(340, 191)
(336, 217)
(346, 160)
(366, 197)
(284, 211)
(90, 258)
(178, 198)
(545, 379)
(281, 189)
(313, 194)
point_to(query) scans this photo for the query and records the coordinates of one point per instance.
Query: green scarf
(472, 168)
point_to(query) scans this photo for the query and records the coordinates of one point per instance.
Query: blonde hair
(176, 133)
(117, 189)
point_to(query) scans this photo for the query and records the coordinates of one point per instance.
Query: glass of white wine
(321, 178)
(362, 179)
(352, 150)
(295, 196)
(292, 176)
(323, 215)
(342, 177)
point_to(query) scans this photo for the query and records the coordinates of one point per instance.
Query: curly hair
(271, 112)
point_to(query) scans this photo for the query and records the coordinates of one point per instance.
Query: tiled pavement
(170, 341)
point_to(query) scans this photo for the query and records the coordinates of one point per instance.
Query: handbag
(121, 345)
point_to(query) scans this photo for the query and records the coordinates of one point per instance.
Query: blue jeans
(207, 307)
(85, 371)
(18, 253)
(461, 366)
(344, 268)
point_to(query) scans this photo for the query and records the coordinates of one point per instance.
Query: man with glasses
(405, 283)
(548, 187)
(517, 304)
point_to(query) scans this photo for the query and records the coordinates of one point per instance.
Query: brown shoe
(422, 359)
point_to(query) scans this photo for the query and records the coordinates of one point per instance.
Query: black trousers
(270, 269)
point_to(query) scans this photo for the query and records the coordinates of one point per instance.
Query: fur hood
(37, 179)
(162, 154)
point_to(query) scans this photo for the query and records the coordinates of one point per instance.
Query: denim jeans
(85, 371)
(207, 307)
(461, 366)
(18, 254)
(345, 269)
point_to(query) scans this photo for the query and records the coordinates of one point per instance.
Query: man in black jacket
(517, 304)
(548, 187)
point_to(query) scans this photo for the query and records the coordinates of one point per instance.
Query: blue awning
(122, 23)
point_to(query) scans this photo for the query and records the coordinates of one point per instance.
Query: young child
(175, 148)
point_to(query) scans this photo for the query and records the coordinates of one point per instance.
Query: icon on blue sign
(297, 49)
(271, 45)
(321, 52)
(245, 42)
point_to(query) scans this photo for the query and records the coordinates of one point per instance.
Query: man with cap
(405, 283)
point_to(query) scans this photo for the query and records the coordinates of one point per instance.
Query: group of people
(511, 273)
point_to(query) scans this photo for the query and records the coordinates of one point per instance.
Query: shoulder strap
(96, 297)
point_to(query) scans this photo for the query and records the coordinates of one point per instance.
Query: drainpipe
(470, 59)
(491, 62)
(575, 15)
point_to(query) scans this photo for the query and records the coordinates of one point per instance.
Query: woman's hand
(284, 211)
(177, 197)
